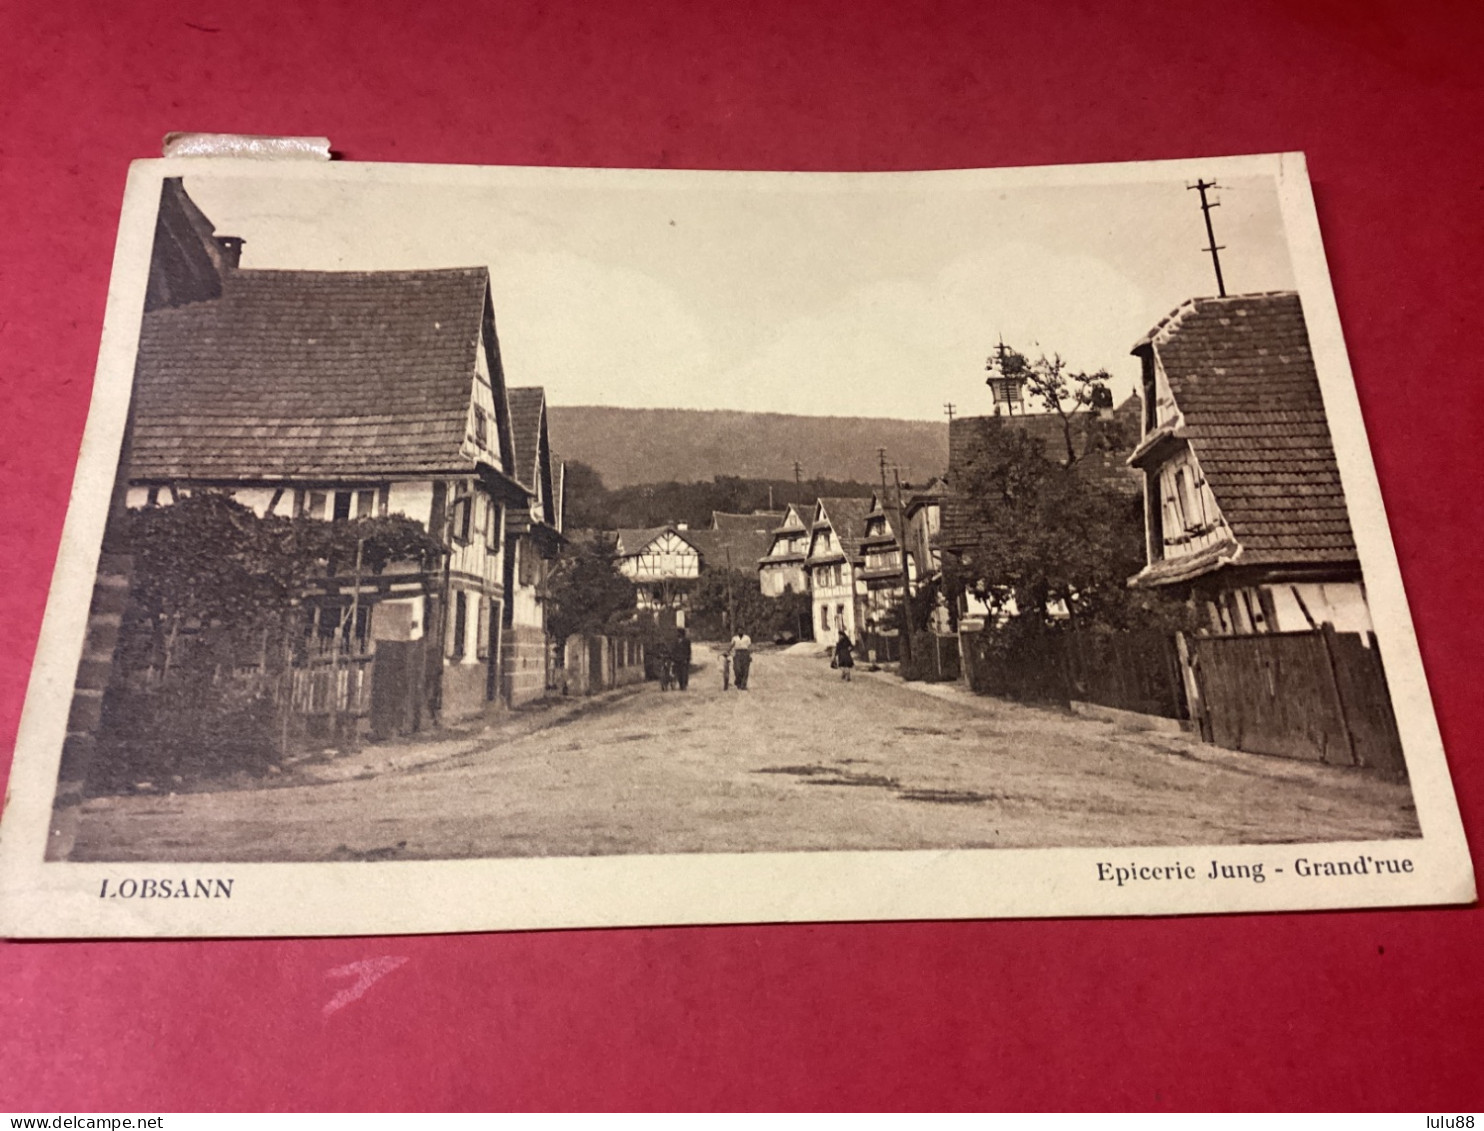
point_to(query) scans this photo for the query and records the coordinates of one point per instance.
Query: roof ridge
(1170, 322)
(405, 273)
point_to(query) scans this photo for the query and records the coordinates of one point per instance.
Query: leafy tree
(1051, 382)
(210, 565)
(586, 593)
(214, 589)
(1048, 535)
(586, 505)
(725, 600)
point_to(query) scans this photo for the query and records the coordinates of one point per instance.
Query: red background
(1363, 1010)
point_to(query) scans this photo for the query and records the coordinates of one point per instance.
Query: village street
(800, 761)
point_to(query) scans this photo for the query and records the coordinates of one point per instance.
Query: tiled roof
(970, 437)
(1243, 379)
(303, 375)
(633, 539)
(930, 493)
(731, 549)
(847, 517)
(758, 520)
(525, 432)
(795, 517)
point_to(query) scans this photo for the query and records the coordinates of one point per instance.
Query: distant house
(335, 395)
(735, 541)
(1101, 440)
(662, 561)
(833, 565)
(781, 570)
(1243, 504)
(923, 512)
(881, 569)
(533, 536)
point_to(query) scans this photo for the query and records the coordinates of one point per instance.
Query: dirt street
(799, 761)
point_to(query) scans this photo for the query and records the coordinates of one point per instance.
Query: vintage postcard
(461, 549)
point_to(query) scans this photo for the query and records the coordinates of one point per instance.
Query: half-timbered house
(533, 537)
(924, 519)
(663, 562)
(881, 569)
(782, 569)
(1243, 504)
(834, 564)
(334, 395)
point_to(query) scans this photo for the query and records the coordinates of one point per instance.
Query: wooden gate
(397, 688)
(1319, 696)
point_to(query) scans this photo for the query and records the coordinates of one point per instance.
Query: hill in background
(656, 445)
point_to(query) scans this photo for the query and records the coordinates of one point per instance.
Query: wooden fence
(879, 648)
(329, 687)
(1132, 671)
(599, 663)
(1319, 696)
(935, 658)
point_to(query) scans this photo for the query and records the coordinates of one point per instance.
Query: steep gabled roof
(794, 523)
(930, 493)
(972, 438)
(795, 517)
(304, 375)
(847, 517)
(887, 534)
(1243, 379)
(527, 418)
(536, 468)
(188, 260)
(633, 539)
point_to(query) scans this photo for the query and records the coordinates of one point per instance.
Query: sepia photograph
(1009, 536)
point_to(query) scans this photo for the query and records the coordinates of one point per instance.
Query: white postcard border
(40, 899)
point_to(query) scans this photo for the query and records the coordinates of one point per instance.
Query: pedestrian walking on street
(680, 653)
(664, 666)
(741, 658)
(844, 656)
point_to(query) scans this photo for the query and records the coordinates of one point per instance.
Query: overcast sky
(864, 296)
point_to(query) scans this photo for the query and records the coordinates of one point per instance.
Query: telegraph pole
(948, 408)
(906, 576)
(798, 474)
(881, 459)
(1206, 205)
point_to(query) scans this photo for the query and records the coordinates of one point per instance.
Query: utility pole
(1206, 205)
(798, 474)
(948, 408)
(881, 459)
(906, 575)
